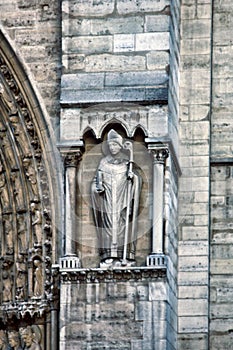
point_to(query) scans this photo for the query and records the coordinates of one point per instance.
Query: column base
(70, 262)
(157, 260)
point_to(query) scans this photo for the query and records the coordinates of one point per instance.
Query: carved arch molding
(27, 283)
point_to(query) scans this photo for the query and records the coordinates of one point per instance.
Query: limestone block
(69, 124)
(188, 11)
(204, 11)
(198, 28)
(118, 63)
(88, 44)
(189, 292)
(73, 63)
(223, 341)
(191, 278)
(157, 60)
(199, 46)
(201, 220)
(127, 6)
(193, 307)
(158, 23)
(104, 26)
(124, 43)
(82, 81)
(136, 79)
(222, 266)
(196, 62)
(192, 248)
(193, 341)
(91, 8)
(193, 263)
(195, 324)
(152, 41)
(196, 232)
(221, 311)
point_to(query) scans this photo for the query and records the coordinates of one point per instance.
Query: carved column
(159, 154)
(71, 161)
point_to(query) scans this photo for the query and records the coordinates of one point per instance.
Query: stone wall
(33, 28)
(114, 51)
(221, 274)
(195, 94)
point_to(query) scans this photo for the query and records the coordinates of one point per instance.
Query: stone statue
(22, 233)
(32, 178)
(18, 190)
(38, 278)
(36, 223)
(31, 336)
(14, 340)
(115, 199)
(8, 234)
(4, 194)
(21, 278)
(3, 341)
(7, 100)
(7, 286)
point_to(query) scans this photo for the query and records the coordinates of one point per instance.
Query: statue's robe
(110, 207)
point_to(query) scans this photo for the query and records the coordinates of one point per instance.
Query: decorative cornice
(116, 274)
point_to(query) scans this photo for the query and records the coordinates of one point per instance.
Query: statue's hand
(99, 189)
(130, 175)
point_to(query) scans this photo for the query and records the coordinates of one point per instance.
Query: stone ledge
(97, 275)
(158, 94)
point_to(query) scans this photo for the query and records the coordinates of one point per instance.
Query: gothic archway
(29, 193)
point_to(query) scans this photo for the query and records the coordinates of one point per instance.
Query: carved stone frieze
(111, 275)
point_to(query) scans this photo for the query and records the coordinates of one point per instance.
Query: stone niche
(118, 306)
(85, 130)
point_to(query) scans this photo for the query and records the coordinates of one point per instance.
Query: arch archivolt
(26, 214)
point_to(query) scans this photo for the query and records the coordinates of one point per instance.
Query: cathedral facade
(116, 173)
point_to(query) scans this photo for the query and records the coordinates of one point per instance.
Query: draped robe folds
(110, 207)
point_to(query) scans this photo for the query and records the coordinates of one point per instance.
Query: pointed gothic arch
(29, 203)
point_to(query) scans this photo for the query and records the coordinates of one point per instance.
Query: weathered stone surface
(127, 6)
(152, 41)
(118, 63)
(89, 8)
(157, 23)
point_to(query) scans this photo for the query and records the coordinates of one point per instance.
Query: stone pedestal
(114, 309)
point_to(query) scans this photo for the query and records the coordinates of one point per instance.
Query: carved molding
(99, 275)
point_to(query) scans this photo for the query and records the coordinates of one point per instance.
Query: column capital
(160, 153)
(72, 158)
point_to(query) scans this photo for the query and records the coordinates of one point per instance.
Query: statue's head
(3, 338)
(27, 335)
(113, 136)
(115, 142)
(13, 338)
